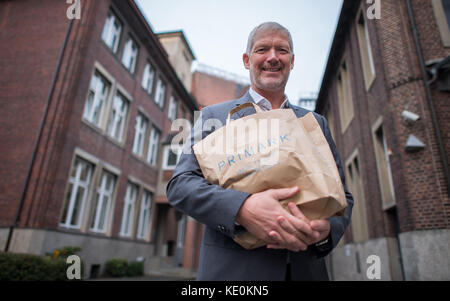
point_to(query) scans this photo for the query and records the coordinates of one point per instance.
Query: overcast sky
(217, 31)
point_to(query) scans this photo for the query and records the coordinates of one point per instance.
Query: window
(173, 107)
(128, 209)
(181, 232)
(359, 220)
(144, 215)
(171, 157)
(118, 118)
(147, 78)
(365, 51)
(160, 93)
(76, 195)
(383, 166)
(130, 55)
(446, 5)
(441, 10)
(111, 31)
(139, 135)
(102, 202)
(344, 97)
(153, 143)
(97, 97)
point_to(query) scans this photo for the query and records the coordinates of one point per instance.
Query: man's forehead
(268, 36)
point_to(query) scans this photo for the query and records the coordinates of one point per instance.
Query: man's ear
(246, 60)
(292, 62)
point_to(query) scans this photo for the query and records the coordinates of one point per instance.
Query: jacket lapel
(248, 111)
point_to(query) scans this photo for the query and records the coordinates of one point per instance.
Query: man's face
(270, 60)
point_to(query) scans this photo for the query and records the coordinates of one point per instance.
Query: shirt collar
(263, 103)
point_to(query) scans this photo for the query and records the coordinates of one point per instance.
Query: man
(295, 246)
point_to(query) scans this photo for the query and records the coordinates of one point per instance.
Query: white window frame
(94, 107)
(167, 150)
(354, 175)
(111, 32)
(391, 200)
(160, 93)
(145, 211)
(76, 184)
(173, 107)
(139, 134)
(131, 196)
(345, 96)
(104, 196)
(148, 78)
(365, 49)
(153, 146)
(130, 54)
(119, 113)
(369, 48)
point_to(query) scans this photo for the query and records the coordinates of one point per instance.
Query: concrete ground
(169, 274)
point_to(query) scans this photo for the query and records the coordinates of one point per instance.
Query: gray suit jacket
(220, 257)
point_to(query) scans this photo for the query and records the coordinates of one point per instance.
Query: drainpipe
(429, 97)
(36, 143)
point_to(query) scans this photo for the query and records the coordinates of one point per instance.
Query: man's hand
(259, 215)
(321, 230)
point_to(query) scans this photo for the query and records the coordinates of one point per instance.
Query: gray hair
(266, 27)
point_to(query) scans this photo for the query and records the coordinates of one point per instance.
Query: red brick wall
(422, 201)
(423, 171)
(433, 48)
(208, 89)
(31, 35)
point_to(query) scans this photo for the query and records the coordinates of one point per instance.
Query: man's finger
(288, 240)
(300, 225)
(297, 212)
(320, 225)
(288, 227)
(282, 221)
(284, 193)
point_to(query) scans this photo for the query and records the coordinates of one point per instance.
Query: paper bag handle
(243, 106)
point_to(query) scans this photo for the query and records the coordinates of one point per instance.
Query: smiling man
(270, 59)
(295, 245)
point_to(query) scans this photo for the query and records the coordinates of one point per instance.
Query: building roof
(223, 74)
(178, 33)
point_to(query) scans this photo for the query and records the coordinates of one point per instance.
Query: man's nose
(272, 56)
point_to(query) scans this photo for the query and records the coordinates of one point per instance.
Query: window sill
(112, 52)
(115, 142)
(100, 131)
(142, 160)
(116, 56)
(344, 129)
(369, 83)
(93, 126)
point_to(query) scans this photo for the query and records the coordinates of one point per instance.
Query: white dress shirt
(263, 103)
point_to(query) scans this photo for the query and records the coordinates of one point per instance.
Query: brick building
(86, 105)
(189, 232)
(378, 70)
(212, 85)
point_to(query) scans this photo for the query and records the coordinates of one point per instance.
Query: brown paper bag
(270, 150)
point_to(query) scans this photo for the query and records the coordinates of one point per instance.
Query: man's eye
(259, 50)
